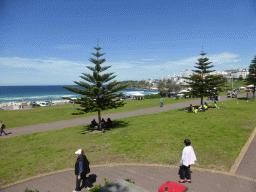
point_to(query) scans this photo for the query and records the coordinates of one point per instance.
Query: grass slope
(19, 118)
(217, 135)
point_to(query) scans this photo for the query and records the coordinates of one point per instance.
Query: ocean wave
(35, 98)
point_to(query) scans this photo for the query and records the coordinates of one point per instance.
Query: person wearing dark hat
(188, 158)
(81, 169)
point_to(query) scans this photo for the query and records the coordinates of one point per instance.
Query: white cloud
(224, 58)
(35, 71)
(149, 59)
(217, 59)
(39, 64)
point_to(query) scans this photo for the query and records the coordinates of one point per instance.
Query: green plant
(28, 190)
(106, 181)
(96, 187)
(129, 180)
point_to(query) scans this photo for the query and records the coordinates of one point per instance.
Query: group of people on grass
(202, 108)
(104, 124)
(82, 167)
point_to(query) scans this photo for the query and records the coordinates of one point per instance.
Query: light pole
(232, 82)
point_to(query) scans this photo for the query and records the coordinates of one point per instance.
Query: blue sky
(51, 41)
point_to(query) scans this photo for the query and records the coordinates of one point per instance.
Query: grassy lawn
(19, 118)
(217, 135)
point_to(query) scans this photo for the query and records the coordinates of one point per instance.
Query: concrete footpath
(241, 177)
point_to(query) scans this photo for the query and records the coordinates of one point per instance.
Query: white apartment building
(236, 74)
(186, 73)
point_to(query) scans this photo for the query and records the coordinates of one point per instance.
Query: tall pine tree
(97, 97)
(251, 78)
(202, 83)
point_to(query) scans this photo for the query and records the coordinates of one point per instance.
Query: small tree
(251, 79)
(97, 97)
(240, 78)
(161, 88)
(202, 83)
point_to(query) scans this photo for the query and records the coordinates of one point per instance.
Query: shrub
(106, 181)
(129, 180)
(96, 187)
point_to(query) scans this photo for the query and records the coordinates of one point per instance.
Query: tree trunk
(99, 116)
(202, 100)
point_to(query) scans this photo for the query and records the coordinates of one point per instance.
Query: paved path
(241, 178)
(147, 177)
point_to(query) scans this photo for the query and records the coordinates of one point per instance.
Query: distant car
(43, 104)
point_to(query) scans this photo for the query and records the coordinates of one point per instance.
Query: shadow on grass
(116, 125)
(245, 98)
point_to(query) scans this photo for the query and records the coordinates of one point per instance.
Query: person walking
(161, 102)
(81, 169)
(2, 126)
(188, 158)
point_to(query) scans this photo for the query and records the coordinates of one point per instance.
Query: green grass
(217, 135)
(19, 118)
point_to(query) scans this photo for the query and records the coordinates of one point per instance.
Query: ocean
(47, 93)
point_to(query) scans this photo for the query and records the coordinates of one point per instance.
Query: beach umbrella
(250, 86)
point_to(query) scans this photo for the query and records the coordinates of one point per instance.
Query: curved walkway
(149, 177)
(241, 177)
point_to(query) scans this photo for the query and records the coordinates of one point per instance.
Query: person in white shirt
(188, 158)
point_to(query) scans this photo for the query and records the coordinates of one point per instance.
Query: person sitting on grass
(103, 123)
(201, 108)
(191, 109)
(93, 124)
(205, 106)
(109, 123)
